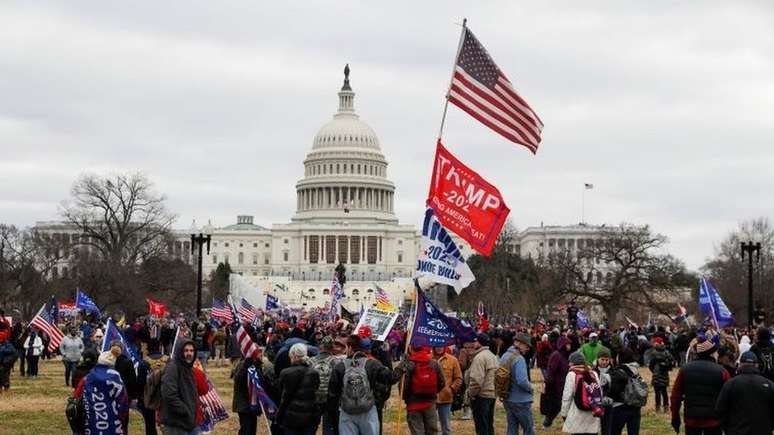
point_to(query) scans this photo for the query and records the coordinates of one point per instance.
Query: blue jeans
(366, 423)
(69, 368)
(444, 416)
(519, 414)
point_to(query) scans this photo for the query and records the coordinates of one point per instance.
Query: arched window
(311, 290)
(326, 291)
(241, 258)
(337, 168)
(355, 292)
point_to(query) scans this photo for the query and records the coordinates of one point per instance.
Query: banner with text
(440, 259)
(466, 203)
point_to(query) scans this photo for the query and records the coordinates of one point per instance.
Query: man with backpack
(764, 351)
(452, 378)
(350, 388)
(513, 387)
(421, 385)
(324, 362)
(149, 373)
(629, 393)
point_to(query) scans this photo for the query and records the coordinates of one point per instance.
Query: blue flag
(434, 328)
(113, 333)
(259, 399)
(713, 306)
(272, 302)
(583, 320)
(85, 303)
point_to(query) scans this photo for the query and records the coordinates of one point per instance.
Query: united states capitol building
(344, 215)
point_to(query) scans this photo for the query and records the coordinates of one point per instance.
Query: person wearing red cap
(661, 362)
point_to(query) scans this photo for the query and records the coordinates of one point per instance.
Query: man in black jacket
(746, 402)
(125, 368)
(178, 393)
(764, 351)
(248, 418)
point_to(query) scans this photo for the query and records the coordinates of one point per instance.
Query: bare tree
(728, 272)
(122, 224)
(625, 268)
(29, 259)
(121, 217)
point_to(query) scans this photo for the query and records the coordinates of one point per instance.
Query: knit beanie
(577, 359)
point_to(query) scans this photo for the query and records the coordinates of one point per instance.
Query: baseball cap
(749, 358)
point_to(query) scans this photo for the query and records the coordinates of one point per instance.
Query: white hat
(593, 334)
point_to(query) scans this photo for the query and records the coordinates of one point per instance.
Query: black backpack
(76, 414)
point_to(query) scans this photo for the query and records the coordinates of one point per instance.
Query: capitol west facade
(344, 214)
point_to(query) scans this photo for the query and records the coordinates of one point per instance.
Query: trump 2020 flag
(440, 259)
(713, 306)
(434, 328)
(113, 333)
(84, 302)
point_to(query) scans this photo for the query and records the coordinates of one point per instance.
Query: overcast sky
(666, 107)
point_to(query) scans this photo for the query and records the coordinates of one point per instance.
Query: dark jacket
(746, 404)
(125, 368)
(88, 360)
(241, 400)
(765, 353)
(660, 364)
(698, 383)
(178, 393)
(298, 389)
(619, 377)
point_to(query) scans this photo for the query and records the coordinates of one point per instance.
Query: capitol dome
(345, 173)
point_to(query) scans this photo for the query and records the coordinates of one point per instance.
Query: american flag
(47, 323)
(246, 311)
(213, 408)
(382, 301)
(221, 312)
(479, 88)
(246, 344)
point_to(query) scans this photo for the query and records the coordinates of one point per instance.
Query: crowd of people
(327, 375)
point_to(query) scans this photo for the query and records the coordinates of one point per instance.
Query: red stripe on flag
(515, 114)
(475, 114)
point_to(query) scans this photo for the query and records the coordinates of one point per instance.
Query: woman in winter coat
(298, 413)
(576, 421)
(33, 347)
(543, 349)
(555, 375)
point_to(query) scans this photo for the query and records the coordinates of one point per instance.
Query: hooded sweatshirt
(179, 395)
(558, 366)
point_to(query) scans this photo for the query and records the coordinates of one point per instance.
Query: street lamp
(200, 240)
(749, 248)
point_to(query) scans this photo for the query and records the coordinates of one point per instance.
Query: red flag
(465, 203)
(156, 308)
(479, 88)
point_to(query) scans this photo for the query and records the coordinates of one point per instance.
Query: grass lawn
(36, 407)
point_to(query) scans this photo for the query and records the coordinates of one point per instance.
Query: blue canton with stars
(476, 62)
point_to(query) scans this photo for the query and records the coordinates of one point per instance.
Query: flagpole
(583, 205)
(446, 104)
(409, 331)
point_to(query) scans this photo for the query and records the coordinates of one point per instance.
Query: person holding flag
(105, 398)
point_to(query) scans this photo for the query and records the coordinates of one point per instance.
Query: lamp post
(749, 248)
(199, 240)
